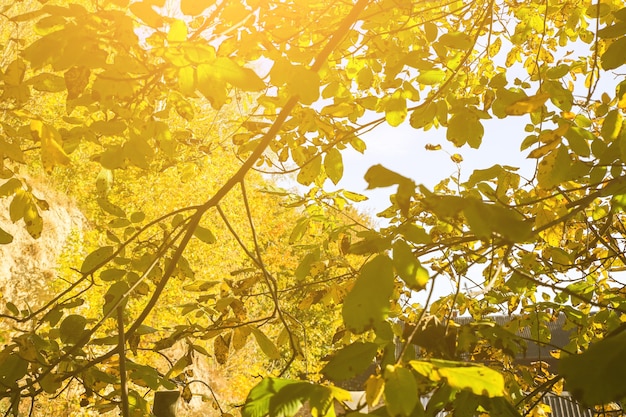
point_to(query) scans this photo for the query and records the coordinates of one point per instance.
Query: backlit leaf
(244, 78)
(195, 7)
(221, 349)
(478, 379)
(5, 237)
(379, 176)
(96, 258)
(401, 395)
(465, 127)
(51, 151)
(309, 172)
(431, 77)
(527, 105)
(305, 84)
(48, 83)
(350, 361)
(204, 235)
(267, 346)
(72, 328)
(612, 125)
(395, 111)
(408, 267)
(333, 165)
(595, 376)
(614, 56)
(423, 115)
(144, 11)
(367, 305)
(177, 32)
(33, 221)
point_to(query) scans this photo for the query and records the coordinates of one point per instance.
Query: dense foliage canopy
(156, 117)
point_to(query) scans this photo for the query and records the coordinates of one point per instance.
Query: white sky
(401, 149)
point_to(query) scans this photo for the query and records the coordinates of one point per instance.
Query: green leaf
(408, 267)
(72, 328)
(50, 383)
(414, 233)
(267, 346)
(95, 259)
(301, 227)
(615, 31)
(596, 376)
(485, 219)
(12, 369)
(113, 274)
(478, 379)
(333, 165)
(614, 56)
(367, 305)
(258, 400)
(557, 72)
(204, 234)
(350, 361)
(401, 395)
(378, 176)
(179, 367)
(465, 127)
(612, 125)
(114, 294)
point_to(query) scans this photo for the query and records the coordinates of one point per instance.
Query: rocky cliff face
(27, 265)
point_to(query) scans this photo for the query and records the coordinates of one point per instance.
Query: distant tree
(118, 91)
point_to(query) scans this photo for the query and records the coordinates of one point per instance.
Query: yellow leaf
(544, 150)
(456, 158)
(220, 349)
(187, 80)
(33, 221)
(553, 235)
(395, 111)
(374, 388)
(494, 48)
(267, 346)
(14, 74)
(527, 104)
(145, 12)
(194, 7)
(244, 78)
(240, 336)
(51, 151)
(178, 31)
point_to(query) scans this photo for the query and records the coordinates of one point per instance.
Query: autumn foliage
(168, 123)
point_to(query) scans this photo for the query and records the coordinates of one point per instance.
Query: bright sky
(402, 149)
